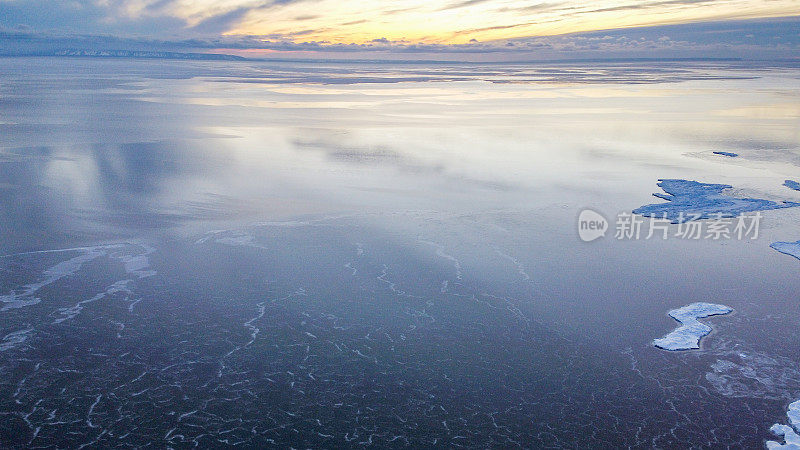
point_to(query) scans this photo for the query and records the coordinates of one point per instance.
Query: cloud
(538, 7)
(650, 5)
(221, 23)
(463, 4)
(361, 21)
(86, 16)
(749, 39)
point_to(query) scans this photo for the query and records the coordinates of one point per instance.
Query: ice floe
(788, 248)
(791, 184)
(729, 154)
(789, 433)
(692, 200)
(688, 335)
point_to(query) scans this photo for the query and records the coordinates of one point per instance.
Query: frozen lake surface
(329, 255)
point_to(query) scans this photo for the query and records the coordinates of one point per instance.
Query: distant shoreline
(196, 56)
(138, 54)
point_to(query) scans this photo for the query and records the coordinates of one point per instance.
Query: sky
(502, 28)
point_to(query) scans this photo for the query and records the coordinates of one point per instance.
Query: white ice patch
(754, 375)
(243, 240)
(12, 340)
(441, 253)
(789, 433)
(28, 297)
(233, 238)
(688, 335)
(71, 312)
(285, 224)
(138, 264)
(134, 258)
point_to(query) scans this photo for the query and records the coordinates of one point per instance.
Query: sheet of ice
(692, 200)
(789, 433)
(137, 264)
(688, 335)
(791, 184)
(789, 248)
(732, 155)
